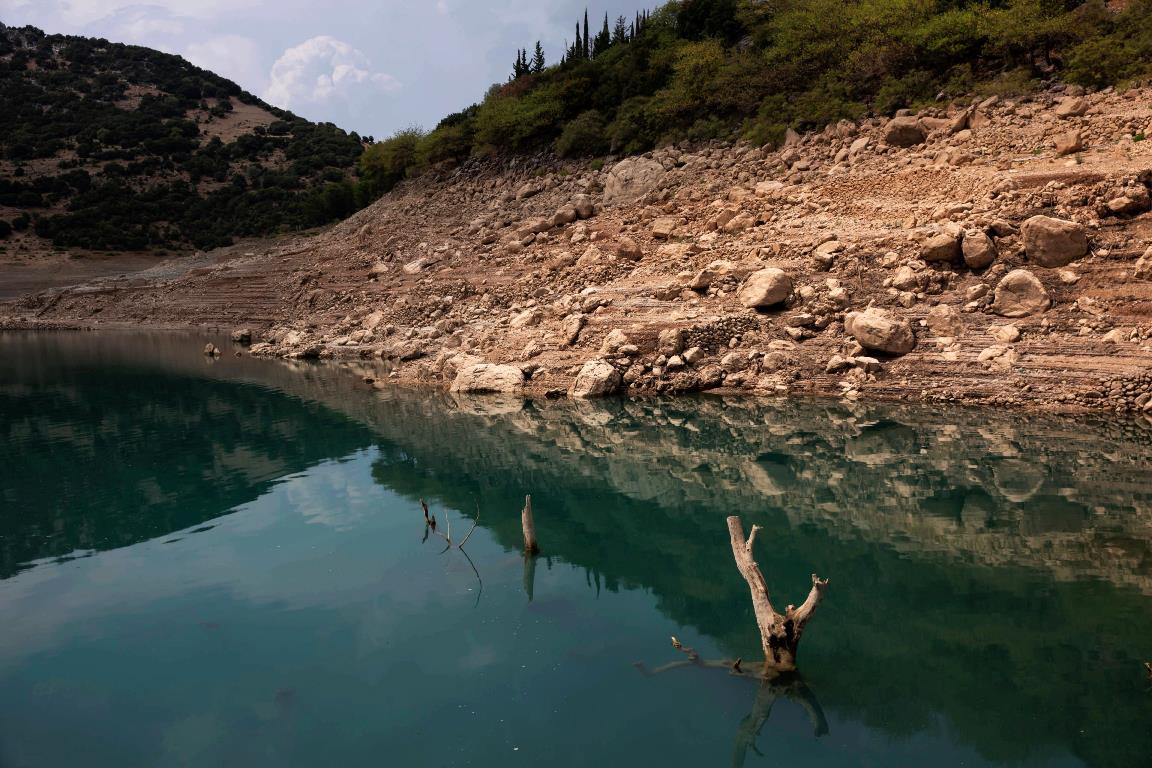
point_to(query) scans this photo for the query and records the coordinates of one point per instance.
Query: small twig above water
(473, 528)
(430, 525)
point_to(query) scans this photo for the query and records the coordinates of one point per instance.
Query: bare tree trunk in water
(529, 526)
(779, 632)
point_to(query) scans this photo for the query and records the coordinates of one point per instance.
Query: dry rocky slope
(996, 252)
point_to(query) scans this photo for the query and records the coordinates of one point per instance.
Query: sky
(370, 66)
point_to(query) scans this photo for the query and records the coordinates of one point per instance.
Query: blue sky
(372, 66)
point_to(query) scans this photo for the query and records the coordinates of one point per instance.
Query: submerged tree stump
(779, 632)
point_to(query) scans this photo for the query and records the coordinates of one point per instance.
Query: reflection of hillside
(905, 510)
(87, 472)
(1065, 496)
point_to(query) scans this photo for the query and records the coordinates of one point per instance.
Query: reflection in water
(103, 453)
(992, 574)
(788, 685)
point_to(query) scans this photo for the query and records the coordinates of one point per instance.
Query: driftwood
(779, 632)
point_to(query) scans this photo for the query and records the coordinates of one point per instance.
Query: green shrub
(583, 136)
(384, 165)
(518, 124)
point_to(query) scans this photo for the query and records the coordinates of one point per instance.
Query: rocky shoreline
(997, 252)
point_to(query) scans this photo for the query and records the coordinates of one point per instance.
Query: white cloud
(79, 13)
(321, 70)
(233, 56)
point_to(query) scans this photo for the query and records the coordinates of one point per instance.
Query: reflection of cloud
(258, 554)
(323, 69)
(233, 56)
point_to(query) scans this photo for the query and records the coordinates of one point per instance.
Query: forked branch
(779, 633)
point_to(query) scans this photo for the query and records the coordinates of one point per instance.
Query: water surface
(220, 563)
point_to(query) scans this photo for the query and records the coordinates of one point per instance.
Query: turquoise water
(220, 563)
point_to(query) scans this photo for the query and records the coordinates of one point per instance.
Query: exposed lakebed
(219, 562)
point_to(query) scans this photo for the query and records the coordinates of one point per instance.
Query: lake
(223, 562)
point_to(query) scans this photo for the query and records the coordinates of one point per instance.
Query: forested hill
(118, 147)
(728, 69)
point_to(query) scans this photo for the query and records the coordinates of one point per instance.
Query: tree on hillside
(587, 42)
(538, 59)
(602, 40)
(521, 67)
(620, 33)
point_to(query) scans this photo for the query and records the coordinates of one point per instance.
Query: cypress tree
(603, 39)
(538, 59)
(578, 46)
(587, 42)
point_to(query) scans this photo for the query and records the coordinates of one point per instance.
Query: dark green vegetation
(230, 573)
(721, 69)
(109, 146)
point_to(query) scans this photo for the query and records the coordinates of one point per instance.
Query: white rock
(765, 288)
(488, 377)
(876, 329)
(596, 378)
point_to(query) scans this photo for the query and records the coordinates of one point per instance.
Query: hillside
(990, 250)
(700, 70)
(114, 147)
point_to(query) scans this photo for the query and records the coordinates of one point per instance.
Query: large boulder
(631, 179)
(716, 270)
(627, 248)
(570, 329)
(941, 247)
(765, 288)
(1053, 242)
(1072, 106)
(904, 131)
(663, 227)
(670, 341)
(875, 329)
(584, 207)
(1068, 143)
(488, 377)
(979, 249)
(596, 379)
(943, 320)
(1020, 294)
(1142, 270)
(612, 343)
